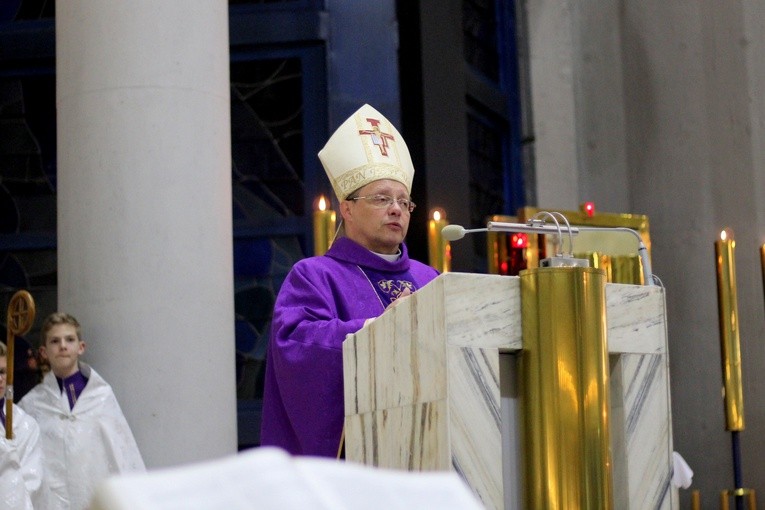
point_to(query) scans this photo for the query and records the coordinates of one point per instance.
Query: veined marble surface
(422, 386)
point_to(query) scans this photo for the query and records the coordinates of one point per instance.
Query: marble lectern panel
(474, 420)
(388, 437)
(422, 387)
(399, 361)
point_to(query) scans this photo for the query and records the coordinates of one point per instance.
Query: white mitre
(366, 148)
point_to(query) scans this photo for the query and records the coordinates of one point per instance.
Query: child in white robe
(21, 461)
(86, 438)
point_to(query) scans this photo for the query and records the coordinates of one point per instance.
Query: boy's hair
(3, 350)
(55, 319)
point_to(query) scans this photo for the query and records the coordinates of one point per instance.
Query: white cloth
(83, 446)
(21, 464)
(682, 474)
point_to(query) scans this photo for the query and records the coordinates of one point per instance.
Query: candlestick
(324, 220)
(439, 249)
(695, 500)
(762, 264)
(729, 330)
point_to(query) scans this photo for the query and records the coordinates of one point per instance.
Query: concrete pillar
(144, 214)
(695, 139)
(686, 81)
(551, 67)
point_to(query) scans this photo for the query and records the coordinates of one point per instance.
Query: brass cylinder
(695, 500)
(564, 389)
(597, 260)
(747, 495)
(730, 344)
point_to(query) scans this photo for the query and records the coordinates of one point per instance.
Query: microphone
(455, 232)
(537, 226)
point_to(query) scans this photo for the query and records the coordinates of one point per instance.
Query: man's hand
(406, 292)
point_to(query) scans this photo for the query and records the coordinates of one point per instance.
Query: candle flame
(726, 235)
(436, 215)
(322, 203)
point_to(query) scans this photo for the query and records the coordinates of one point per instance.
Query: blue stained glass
(252, 257)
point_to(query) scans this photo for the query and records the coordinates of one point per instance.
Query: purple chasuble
(322, 300)
(73, 386)
(2, 411)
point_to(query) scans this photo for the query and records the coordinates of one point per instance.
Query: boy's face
(62, 349)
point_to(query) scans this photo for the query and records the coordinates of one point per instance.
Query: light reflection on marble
(423, 386)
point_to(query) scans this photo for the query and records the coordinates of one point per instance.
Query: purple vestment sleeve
(322, 300)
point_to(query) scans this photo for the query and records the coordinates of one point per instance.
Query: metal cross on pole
(21, 315)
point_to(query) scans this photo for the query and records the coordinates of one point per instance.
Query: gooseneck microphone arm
(455, 232)
(538, 226)
(526, 228)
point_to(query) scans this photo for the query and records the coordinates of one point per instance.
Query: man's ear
(345, 210)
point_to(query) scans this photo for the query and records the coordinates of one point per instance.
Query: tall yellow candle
(324, 220)
(730, 345)
(439, 249)
(762, 264)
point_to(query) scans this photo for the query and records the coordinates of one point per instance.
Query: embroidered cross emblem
(394, 288)
(378, 137)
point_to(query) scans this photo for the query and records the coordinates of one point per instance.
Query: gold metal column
(564, 389)
(730, 341)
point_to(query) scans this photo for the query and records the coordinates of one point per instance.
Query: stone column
(552, 58)
(144, 214)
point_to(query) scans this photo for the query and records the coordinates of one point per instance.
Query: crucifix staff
(21, 315)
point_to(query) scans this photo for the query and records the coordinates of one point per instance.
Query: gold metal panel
(564, 389)
(618, 268)
(637, 222)
(615, 258)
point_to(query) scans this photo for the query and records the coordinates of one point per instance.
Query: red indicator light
(519, 240)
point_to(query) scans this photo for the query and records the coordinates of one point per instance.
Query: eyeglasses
(385, 201)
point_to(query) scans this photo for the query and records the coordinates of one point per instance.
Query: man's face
(62, 349)
(380, 229)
